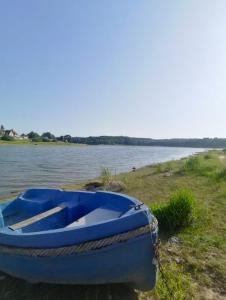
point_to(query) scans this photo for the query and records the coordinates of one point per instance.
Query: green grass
(178, 283)
(179, 212)
(202, 251)
(195, 268)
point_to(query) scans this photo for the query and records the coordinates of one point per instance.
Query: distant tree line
(133, 141)
(115, 140)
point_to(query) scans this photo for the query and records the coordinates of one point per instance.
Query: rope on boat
(83, 247)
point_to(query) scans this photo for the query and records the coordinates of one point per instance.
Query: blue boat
(78, 237)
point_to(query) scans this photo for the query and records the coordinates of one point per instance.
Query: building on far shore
(12, 133)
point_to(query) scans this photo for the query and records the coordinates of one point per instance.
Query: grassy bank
(194, 264)
(28, 142)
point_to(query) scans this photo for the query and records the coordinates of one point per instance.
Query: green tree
(48, 135)
(33, 135)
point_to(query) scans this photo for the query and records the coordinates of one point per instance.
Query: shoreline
(29, 143)
(79, 185)
(59, 143)
(99, 145)
(187, 262)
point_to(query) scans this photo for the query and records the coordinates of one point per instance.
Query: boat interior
(49, 209)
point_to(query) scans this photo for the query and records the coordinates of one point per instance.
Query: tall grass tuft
(202, 166)
(179, 212)
(221, 175)
(106, 176)
(207, 156)
(192, 164)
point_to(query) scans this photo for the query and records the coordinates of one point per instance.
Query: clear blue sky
(124, 67)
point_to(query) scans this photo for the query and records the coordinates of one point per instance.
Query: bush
(179, 212)
(7, 138)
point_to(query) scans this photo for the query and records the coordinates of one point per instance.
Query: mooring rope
(83, 247)
(162, 271)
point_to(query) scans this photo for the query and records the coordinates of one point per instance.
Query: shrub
(179, 212)
(7, 138)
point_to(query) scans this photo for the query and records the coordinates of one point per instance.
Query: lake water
(22, 167)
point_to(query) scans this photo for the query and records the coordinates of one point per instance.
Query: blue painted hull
(46, 256)
(128, 263)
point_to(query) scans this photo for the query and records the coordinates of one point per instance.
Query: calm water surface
(22, 167)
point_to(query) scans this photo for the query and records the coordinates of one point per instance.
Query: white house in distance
(12, 133)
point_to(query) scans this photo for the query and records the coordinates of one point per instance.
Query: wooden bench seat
(99, 214)
(36, 218)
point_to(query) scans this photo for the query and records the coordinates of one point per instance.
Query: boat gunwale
(63, 236)
(6, 230)
(85, 246)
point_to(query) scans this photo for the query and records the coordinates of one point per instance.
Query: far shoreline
(59, 143)
(30, 143)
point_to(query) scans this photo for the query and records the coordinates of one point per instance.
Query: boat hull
(129, 262)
